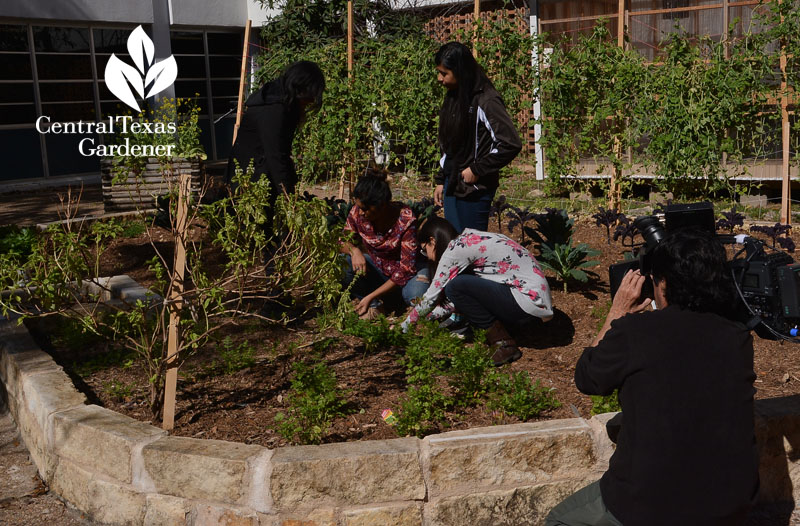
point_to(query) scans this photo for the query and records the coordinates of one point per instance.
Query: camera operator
(686, 451)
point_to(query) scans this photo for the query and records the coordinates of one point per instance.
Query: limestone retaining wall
(122, 471)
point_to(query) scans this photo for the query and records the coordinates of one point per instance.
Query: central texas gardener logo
(147, 78)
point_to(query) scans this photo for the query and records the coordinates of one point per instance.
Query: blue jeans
(374, 278)
(469, 212)
(482, 301)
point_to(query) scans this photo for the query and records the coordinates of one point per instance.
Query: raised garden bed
(216, 401)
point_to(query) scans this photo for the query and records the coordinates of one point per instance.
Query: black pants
(482, 301)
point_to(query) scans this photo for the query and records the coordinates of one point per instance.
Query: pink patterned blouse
(393, 252)
(494, 257)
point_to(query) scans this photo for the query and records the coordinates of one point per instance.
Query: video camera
(768, 284)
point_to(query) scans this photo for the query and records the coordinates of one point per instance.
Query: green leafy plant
(314, 401)
(553, 228)
(471, 373)
(606, 404)
(119, 391)
(568, 261)
(17, 242)
(376, 334)
(517, 395)
(424, 405)
(61, 276)
(236, 357)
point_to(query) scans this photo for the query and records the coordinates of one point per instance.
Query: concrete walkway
(24, 500)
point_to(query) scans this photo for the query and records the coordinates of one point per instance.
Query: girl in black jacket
(477, 138)
(268, 126)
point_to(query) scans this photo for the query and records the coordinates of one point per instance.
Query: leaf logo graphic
(147, 78)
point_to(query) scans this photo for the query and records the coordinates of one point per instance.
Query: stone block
(754, 200)
(409, 514)
(112, 503)
(605, 429)
(36, 442)
(199, 469)
(100, 439)
(521, 454)
(46, 393)
(164, 510)
(19, 355)
(71, 483)
(522, 506)
(580, 197)
(660, 197)
(347, 474)
(317, 517)
(777, 426)
(208, 514)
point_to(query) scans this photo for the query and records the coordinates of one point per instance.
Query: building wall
(54, 54)
(218, 13)
(135, 11)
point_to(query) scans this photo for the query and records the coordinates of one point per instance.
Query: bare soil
(242, 406)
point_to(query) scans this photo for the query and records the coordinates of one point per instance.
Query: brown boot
(502, 345)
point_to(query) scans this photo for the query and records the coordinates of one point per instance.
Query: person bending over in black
(686, 453)
(268, 127)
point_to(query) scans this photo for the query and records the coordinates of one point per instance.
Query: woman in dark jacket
(477, 138)
(268, 126)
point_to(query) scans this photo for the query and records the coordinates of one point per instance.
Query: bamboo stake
(615, 190)
(242, 75)
(340, 194)
(476, 15)
(786, 186)
(176, 302)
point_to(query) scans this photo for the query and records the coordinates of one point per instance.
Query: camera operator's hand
(438, 193)
(626, 301)
(358, 260)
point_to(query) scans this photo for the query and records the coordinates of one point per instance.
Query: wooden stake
(242, 83)
(615, 190)
(786, 186)
(476, 15)
(176, 301)
(340, 195)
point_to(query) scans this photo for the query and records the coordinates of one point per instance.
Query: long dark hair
(454, 131)
(303, 80)
(442, 233)
(694, 265)
(372, 189)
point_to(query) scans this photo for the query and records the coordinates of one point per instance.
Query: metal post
(537, 104)
(162, 18)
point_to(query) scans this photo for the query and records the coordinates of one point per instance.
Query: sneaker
(458, 326)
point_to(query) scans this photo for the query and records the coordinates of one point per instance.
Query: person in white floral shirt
(489, 278)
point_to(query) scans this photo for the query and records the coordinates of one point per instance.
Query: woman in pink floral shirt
(382, 259)
(489, 278)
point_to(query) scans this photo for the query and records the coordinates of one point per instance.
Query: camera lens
(652, 230)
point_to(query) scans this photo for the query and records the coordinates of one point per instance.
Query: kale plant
(730, 220)
(554, 227)
(778, 233)
(499, 207)
(568, 261)
(520, 217)
(424, 208)
(625, 230)
(607, 219)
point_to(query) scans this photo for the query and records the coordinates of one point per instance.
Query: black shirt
(686, 454)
